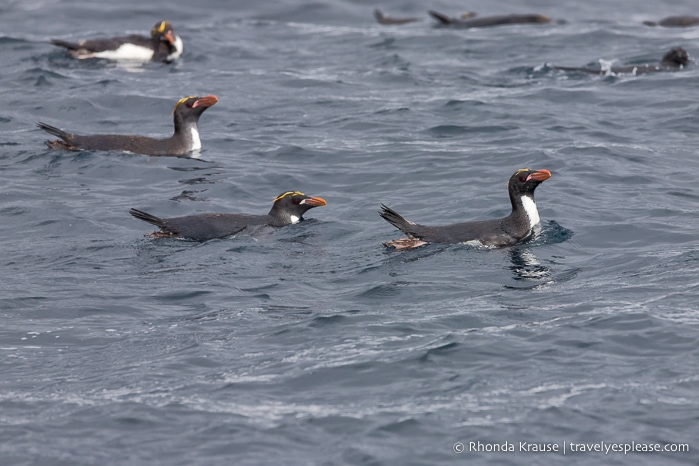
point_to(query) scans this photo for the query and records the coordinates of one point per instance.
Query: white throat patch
(196, 141)
(531, 211)
(179, 47)
(294, 219)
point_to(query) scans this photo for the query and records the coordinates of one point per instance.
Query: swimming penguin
(163, 45)
(493, 233)
(184, 140)
(288, 209)
(488, 21)
(675, 21)
(674, 60)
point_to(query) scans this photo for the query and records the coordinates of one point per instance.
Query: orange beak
(206, 101)
(169, 37)
(314, 201)
(539, 175)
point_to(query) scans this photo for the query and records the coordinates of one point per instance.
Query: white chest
(196, 141)
(127, 52)
(294, 219)
(531, 211)
(179, 47)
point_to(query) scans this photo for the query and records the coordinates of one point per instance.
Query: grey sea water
(314, 344)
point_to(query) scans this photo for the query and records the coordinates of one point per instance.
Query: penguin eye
(296, 200)
(523, 179)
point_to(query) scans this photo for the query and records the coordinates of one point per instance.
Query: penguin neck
(524, 207)
(187, 131)
(175, 49)
(165, 51)
(281, 217)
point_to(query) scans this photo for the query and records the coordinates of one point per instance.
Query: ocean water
(314, 344)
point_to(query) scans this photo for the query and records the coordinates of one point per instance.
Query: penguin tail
(165, 231)
(65, 138)
(443, 19)
(380, 17)
(395, 219)
(146, 217)
(53, 130)
(66, 44)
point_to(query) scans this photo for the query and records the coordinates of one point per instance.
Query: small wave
(458, 130)
(551, 233)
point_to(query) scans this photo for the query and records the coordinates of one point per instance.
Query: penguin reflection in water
(288, 209)
(492, 233)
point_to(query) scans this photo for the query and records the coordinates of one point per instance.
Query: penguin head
(676, 57)
(290, 206)
(193, 107)
(524, 181)
(163, 31)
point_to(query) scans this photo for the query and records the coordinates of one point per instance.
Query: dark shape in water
(496, 232)
(184, 140)
(674, 60)
(675, 21)
(288, 208)
(163, 45)
(488, 21)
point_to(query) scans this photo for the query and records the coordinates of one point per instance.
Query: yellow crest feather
(288, 193)
(181, 101)
(158, 28)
